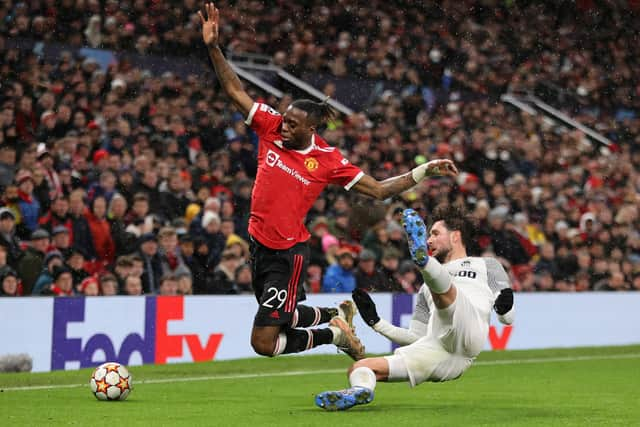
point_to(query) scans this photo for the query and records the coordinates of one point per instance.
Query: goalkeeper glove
(366, 306)
(504, 301)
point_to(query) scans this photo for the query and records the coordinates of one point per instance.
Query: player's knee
(264, 346)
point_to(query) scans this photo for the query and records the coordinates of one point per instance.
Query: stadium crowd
(587, 47)
(119, 181)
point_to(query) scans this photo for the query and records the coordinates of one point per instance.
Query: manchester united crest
(311, 164)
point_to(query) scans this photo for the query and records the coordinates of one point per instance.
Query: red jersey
(288, 182)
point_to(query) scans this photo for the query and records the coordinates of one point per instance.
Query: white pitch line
(329, 371)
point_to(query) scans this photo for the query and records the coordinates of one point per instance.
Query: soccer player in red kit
(294, 165)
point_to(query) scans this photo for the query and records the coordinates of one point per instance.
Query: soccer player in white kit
(450, 322)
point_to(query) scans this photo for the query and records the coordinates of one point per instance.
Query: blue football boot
(344, 399)
(416, 236)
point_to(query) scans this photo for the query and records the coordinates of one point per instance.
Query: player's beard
(442, 255)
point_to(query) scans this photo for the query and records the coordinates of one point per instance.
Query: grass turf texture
(598, 386)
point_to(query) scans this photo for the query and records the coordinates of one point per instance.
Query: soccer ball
(111, 381)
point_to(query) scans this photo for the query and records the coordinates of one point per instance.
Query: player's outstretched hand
(210, 24)
(437, 167)
(503, 302)
(366, 306)
(441, 167)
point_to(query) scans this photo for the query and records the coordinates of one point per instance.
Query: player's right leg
(435, 276)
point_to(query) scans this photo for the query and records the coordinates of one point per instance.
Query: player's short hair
(318, 113)
(456, 218)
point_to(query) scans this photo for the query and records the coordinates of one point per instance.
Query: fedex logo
(87, 332)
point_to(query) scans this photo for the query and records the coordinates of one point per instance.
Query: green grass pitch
(562, 387)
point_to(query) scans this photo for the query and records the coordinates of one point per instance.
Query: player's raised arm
(228, 78)
(382, 190)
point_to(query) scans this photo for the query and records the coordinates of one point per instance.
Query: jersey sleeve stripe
(354, 181)
(253, 110)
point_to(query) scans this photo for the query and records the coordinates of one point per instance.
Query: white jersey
(481, 280)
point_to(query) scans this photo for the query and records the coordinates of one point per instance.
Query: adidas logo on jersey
(274, 314)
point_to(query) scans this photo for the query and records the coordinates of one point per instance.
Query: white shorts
(456, 337)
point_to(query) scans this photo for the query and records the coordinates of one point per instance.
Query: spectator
(132, 285)
(367, 275)
(149, 186)
(9, 283)
(318, 228)
(62, 285)
(243, 279)
(89, 287)
(168, 285)
(223, 280)
(30, 264)
(339, 277)
(390, 263)
(58, 215)
(137, 267)
(101, 231)
(215, 239)
(170, 256)
(174, 200)
(108, 285)
(75, 262)
(8, 239)
(505, 243)
(52, 179)
(211, 204)
(122, 269)
(152, 263)
(61, 240)
(185, 284)
(204, 266)
(187, 250)
(330, 247)
(123, 240)
(547, 260)
(409, 279)
(52, 260)
(7, 164)
(80, 230)
(376, 239)
(139, 220)
(28, 205)
(105, 188)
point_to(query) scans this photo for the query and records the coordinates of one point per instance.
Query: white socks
(363, 377)
(436, 276)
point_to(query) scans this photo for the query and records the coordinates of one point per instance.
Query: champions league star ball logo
(311, 164)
